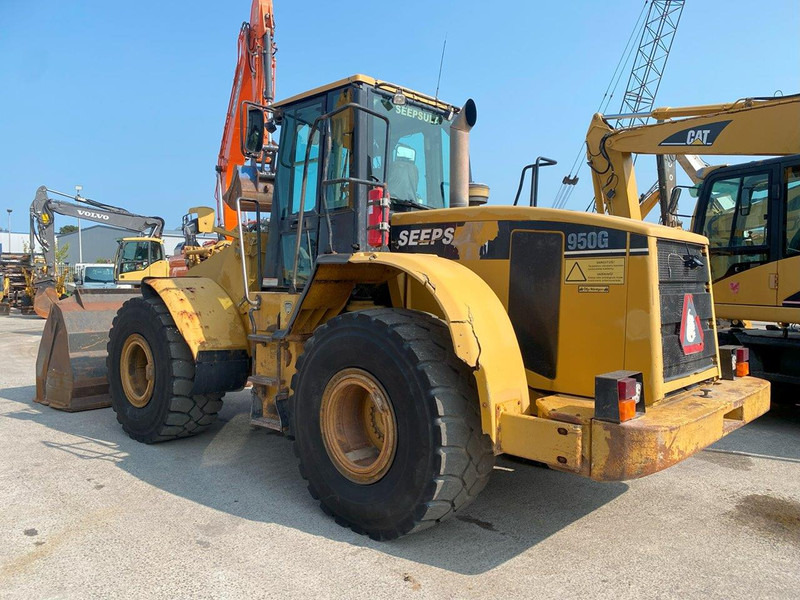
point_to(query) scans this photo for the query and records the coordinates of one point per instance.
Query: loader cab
(351, 143)
(139, 257)
(751, 216)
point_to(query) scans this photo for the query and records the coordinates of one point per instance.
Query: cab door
(296, 139)
(789, 263)
(739, 216)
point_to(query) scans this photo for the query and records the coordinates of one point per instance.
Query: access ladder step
(263, 380)
(266, 422)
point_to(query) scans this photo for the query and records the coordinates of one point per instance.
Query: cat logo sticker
(696, 136)
(692, 340)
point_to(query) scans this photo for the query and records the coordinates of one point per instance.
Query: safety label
(598, 271)
(592, 289)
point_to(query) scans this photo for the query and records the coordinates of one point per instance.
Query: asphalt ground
(86, 512)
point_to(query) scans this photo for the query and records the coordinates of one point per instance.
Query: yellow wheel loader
(403, 338)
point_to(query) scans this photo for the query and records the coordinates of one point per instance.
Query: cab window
(339, 195)
(736, 223)
(418, 153)
(300, 123)
(792, 195)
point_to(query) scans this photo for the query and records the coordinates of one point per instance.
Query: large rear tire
(151, 374)
(387, 425)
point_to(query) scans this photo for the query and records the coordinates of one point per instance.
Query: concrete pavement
(87, 512)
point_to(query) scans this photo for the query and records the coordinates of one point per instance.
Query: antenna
(441, 62)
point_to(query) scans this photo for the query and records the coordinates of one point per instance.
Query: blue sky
(128, 99)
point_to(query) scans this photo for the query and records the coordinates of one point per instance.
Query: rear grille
(675, 280)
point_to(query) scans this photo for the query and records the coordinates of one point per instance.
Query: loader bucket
(71, 364)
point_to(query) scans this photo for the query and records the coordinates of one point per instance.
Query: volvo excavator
(70, 366)
(403, 335)
(749, 212)
(136, 257)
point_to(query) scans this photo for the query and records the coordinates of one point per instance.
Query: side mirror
(744, 204)
(254, 137)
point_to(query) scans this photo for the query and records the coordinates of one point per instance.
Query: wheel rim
(136, 368)
(358, 426)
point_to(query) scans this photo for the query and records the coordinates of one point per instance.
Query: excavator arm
(253, 81)
(753, 126)
(43, 209)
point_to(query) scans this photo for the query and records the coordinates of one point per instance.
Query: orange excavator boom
(253, 81)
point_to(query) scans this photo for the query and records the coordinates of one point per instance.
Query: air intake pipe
(459, 154)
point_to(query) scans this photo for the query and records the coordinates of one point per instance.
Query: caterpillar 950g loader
(403, 338)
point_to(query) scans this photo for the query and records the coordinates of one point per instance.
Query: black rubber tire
(172, 411)
(442, 461)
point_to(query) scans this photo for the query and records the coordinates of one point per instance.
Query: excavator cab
(139, 257)
(751, 216)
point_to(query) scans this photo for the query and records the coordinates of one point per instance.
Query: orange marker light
(742, 369)
(629, 394)
(742, 362)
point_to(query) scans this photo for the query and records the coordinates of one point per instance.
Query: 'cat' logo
(696, 136)
(426, 236)
(92, 215)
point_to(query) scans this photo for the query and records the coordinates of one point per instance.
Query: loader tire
(164, 408)
(387, 424)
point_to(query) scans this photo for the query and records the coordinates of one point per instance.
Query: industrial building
(98, 243)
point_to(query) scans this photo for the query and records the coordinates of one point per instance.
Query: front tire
(151, 374)
(387, 424)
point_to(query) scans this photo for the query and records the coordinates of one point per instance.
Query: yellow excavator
(749, 212)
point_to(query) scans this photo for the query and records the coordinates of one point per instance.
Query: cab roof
(372, 82)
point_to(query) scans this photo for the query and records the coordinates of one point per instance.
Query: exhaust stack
(459, 154)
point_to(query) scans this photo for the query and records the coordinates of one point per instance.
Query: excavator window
(736, 223)
(792, 179)
(136, 256)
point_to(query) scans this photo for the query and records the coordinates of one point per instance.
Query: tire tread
(466, 455)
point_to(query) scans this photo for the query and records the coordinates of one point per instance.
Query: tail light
(734, 361)
(618, 396)
(742, 362)
(377, 218)
(629, 392)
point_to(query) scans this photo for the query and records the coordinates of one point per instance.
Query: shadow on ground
(775, 435)
(252, 474)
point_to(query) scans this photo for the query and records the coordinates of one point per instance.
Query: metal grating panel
(675, 280)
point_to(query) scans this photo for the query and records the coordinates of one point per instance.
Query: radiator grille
(675, 280)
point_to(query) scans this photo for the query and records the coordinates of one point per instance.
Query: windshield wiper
(412, 204)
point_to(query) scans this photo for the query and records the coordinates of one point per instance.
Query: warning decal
(691, 328)
(598, 271)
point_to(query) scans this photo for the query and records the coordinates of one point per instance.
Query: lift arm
(43, 209)
(753, 126)
(253, 81)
